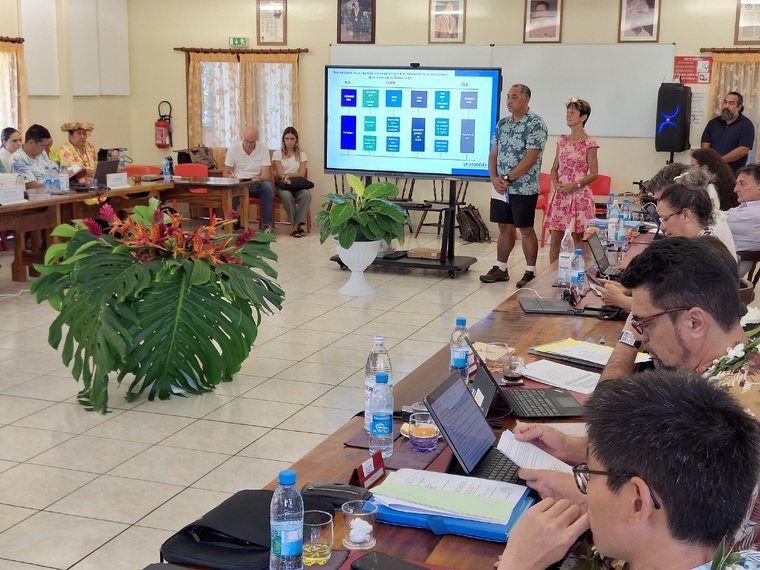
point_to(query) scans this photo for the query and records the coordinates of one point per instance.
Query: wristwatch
(508, 179)
(578, 185)
(626, 337)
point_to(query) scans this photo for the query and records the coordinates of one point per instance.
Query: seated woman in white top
(11, 142)
(290, 161)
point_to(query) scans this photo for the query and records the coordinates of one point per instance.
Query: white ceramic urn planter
(357, 258)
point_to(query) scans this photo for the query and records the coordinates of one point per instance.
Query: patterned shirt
(514, 140)
(31, 169)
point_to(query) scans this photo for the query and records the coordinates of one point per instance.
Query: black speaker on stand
(673, 118)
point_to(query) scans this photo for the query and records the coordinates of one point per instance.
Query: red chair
(196, 170)
(140, 170)
(545, 188)
(275, 201)
(601, 187)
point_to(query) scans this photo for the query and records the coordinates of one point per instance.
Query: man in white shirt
(31, 160)
(248, 159)
(744, 220)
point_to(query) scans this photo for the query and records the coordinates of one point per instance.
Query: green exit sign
(239, 42)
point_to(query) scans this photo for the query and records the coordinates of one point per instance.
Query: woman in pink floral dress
(571, 203)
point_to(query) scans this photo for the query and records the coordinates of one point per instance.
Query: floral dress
(574, 209)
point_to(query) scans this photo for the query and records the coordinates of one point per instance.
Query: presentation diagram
(430, 121)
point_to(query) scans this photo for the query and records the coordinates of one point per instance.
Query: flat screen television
(421, 122)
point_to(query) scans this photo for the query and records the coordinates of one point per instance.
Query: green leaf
(347, 236)
(356, 184)
(201, 272)
(65, 231)
(340, 213)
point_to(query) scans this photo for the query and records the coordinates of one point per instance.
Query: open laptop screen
(459, 418)
(597, 250)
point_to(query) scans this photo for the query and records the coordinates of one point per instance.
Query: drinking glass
(317, 537)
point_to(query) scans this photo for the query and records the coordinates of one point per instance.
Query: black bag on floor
(233, 536)
(472, 228)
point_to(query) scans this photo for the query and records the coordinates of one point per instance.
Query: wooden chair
(196, 170)
(440, 196)
(141, 170)
(545, 188)
(601, 187)
(752, 256)
(275, 201)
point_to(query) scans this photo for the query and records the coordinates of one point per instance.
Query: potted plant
(360, 221)
(175, 311)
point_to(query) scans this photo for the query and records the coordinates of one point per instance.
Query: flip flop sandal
(297, 234)
(301, 232)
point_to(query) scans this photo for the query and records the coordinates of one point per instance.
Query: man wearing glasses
(672, 462)
(686, 313)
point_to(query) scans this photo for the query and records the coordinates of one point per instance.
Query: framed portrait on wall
(543, 21)
(747, 22)
(271, 20)
(356, 21)
(639, 21)
(446, 21)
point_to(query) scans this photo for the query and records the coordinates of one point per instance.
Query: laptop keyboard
(500, 468)
(533, 404)
(613, 271)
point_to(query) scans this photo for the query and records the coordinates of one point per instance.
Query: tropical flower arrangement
(177, 312)
(735, 357)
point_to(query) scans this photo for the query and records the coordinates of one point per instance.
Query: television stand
(447, 260)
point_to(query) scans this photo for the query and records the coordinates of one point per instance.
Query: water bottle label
(382, 424)
(459, 357)
(287, 541)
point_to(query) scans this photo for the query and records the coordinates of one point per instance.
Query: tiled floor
(85, 491)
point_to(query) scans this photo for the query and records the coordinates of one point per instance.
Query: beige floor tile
(183, 508)
(320, 373)
(365, 314)
(5, 465)
(240, 384)
(312, 338)
(21, 444)
(218, 437)
(242, 473)
(339, 357)
(91, 454)
(319, 420)
(254, 412)
(104, 499)
(416, 348)
(265, 366)
(392, 330)
(11, 348)
(140, 427)
(171, 465)
(363, 341)
(343, 397)
(285, 350)
(13, 378)
(269, 332)
(46, 388)
(344, 326)
(135, 548)
(65, 417)
(73, 537)
(13, 408)
(37, 486)
(289, 391)
(10, 516)
(191, 406)
(41, 363)
(374, 302)
(406, 362)
(283, 445)
(300, 306)
(11, 565)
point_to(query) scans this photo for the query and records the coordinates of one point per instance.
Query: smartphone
(380, 561)
(594, 280)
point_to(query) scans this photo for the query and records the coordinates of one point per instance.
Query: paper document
(562, 376)
(452, 495)
(582, 352)
(528, 456)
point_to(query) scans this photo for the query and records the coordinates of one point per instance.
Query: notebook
(526, 403)
(606, 269)
(467, 432)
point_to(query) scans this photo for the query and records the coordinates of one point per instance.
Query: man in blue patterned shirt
(31, 160)
(514, 166)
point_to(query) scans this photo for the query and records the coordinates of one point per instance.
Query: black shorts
(520, 211)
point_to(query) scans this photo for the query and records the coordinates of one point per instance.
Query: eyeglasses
(638, 324)
(582, 473)
(664, 219)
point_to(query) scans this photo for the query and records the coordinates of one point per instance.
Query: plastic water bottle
(578, 272)
(378, 361)
(612, 223)
(165, 170)
(625, 210)
(620, 241)
(610, 202)
(63, 179)
(286, 524)
(381, 409)
(566, 248)
(460, 351)
(54, 179)
(121, 159)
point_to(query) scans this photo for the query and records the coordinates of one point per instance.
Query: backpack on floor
(472, 228)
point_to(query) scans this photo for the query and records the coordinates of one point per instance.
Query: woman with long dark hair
(724, 177)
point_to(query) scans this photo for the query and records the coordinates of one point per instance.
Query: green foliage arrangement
(175, 311)
(364, 212)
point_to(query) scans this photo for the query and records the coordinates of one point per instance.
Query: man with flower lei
(656, 513)
(686, 313)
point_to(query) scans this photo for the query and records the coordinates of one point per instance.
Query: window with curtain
(227, 91)
(13, 91)
(738, 72)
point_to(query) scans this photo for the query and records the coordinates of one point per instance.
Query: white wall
(157, 71)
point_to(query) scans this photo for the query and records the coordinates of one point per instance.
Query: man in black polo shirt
(731, 134)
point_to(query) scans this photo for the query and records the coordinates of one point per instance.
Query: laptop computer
(546, 306)
(526, 403)
(467, 432)
(606, 269)
(103, 169)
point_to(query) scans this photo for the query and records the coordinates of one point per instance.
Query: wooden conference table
(331, 461)
(43, 211)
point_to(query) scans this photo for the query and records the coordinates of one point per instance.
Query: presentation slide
(426, 122)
